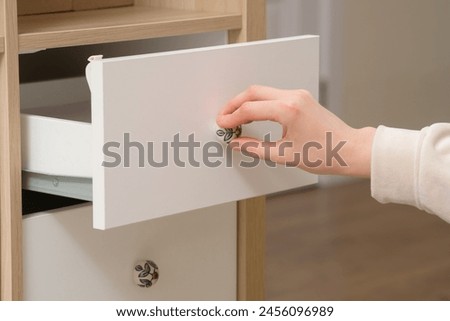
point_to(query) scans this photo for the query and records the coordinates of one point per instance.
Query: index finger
(254, 111)
(252, 93)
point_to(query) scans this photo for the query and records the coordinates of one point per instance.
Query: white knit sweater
(413, 167)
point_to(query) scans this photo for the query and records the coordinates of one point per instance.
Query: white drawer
(65, 259)
(152, 98)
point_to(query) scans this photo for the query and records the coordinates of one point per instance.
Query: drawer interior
(56, 145)
(55, 117)
(35, 202)
(77, 112)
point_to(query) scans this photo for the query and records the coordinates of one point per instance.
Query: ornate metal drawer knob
(146, 273)
(229, 134)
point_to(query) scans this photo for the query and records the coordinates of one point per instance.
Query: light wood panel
(251, 248)
(198, 5)
(253, 22)
(10, 164)
(251, 212)
(2, 38)
(117, 24)
(2, 15)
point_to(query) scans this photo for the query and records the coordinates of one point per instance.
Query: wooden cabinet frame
(251, 213)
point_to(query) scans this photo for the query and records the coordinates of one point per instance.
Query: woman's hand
(314, 139)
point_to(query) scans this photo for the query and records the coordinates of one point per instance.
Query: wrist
(359, 152)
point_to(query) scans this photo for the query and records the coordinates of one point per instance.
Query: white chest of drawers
(63, 230)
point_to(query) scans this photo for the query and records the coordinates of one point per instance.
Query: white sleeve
(413, 167)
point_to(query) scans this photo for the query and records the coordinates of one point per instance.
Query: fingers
(285, 129)
(254, 111)
(253, 93)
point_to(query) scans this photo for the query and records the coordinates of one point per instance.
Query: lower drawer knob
(146, 273)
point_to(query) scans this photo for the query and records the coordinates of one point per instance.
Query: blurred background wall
(382, 62)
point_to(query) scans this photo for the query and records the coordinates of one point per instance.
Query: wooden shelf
(118, 24)
(2, 44)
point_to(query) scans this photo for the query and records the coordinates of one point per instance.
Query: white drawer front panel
(65, 259)
(152, 98)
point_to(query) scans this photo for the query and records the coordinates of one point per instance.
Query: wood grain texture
(2, 31)
(117, 24)
(251, 212)
(25, 7)
(251, 249)
(2, 14)
(198, 5)
(338, 243)
(253, 22)
(10, 163)
(98, 4)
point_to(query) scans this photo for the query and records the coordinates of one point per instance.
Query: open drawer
(149, 143)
